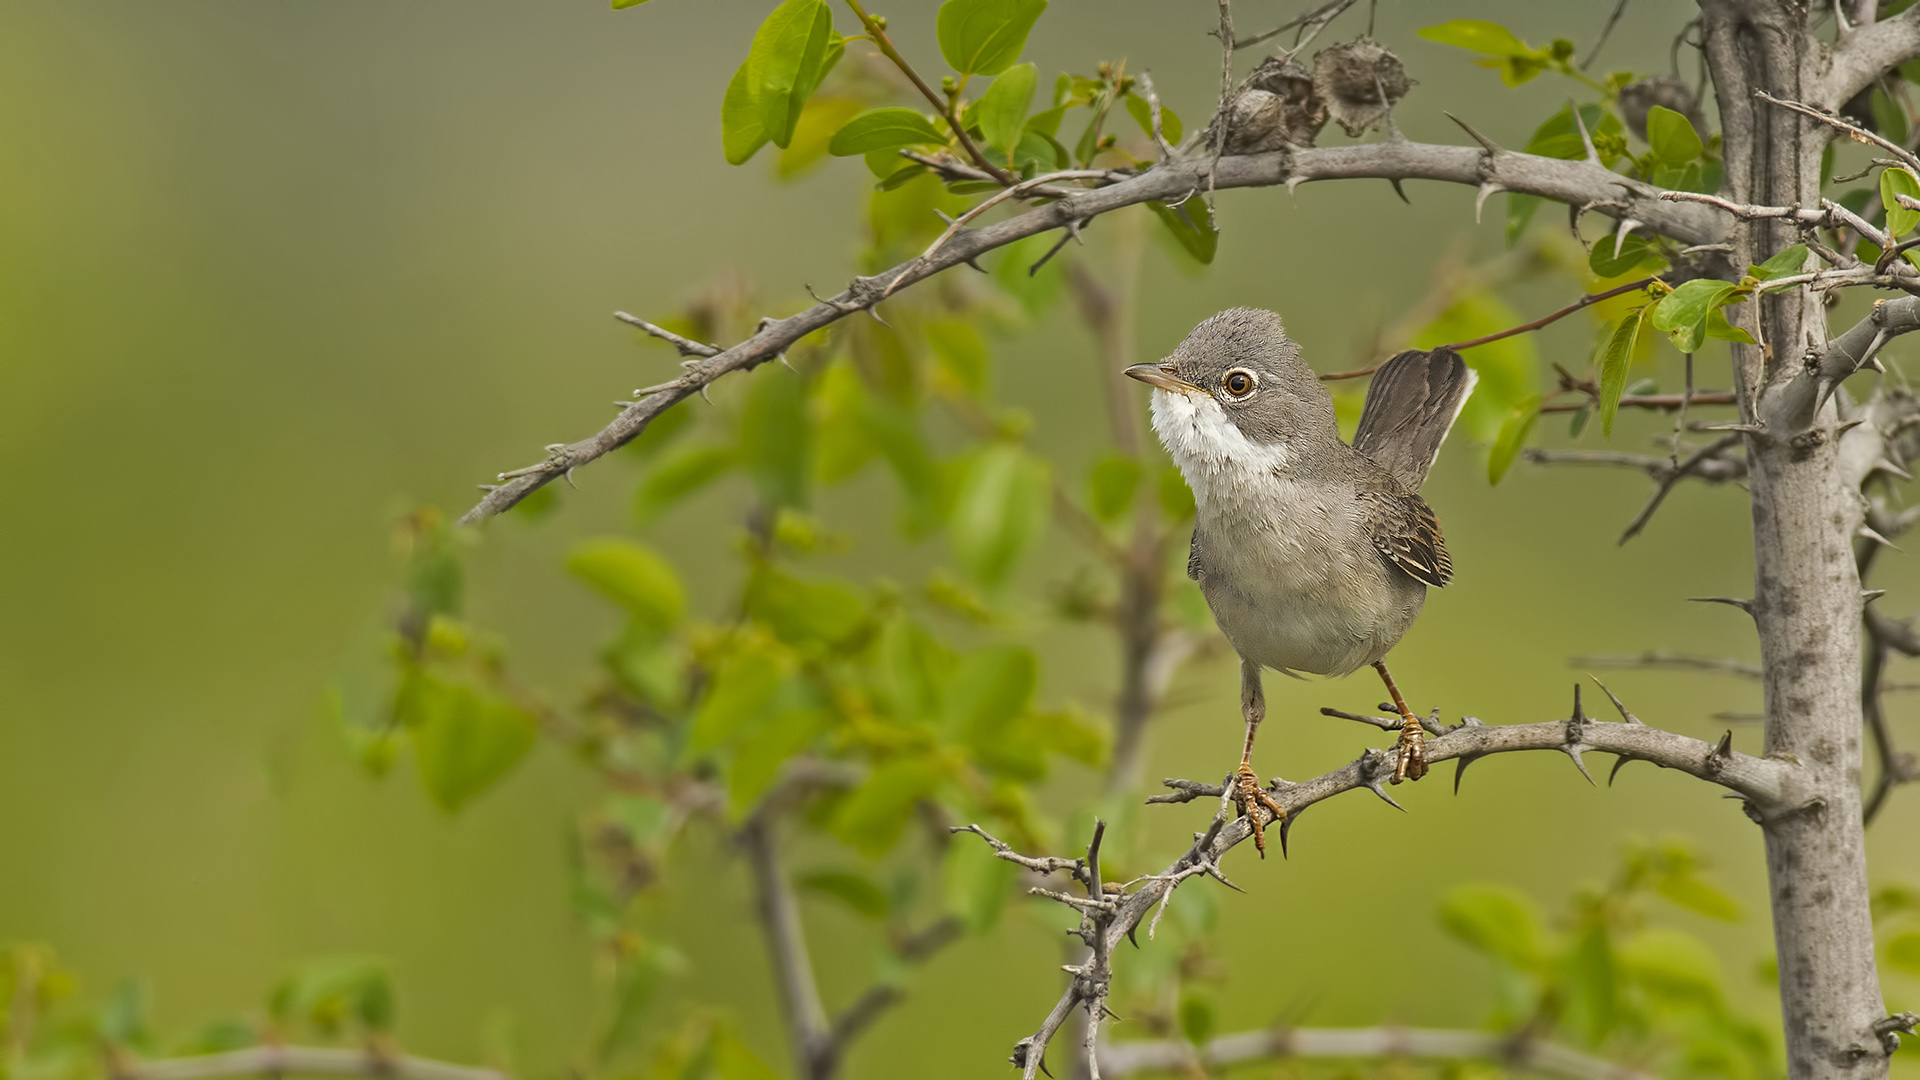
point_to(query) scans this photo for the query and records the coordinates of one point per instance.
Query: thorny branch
(280, 1060)
(1518, 1050)
(1489, 167)
(1767, 787)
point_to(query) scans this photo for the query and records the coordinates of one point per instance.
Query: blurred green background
(268, 272)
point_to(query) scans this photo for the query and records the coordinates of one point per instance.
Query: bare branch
(1419, 1044)
(1867, 53)
(1769, 787)
(1673, 661)
(808, 1034)
(1845, 126)
(1575, 182)
(279, 1060)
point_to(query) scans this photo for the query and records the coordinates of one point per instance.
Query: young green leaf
(1790, 260)
(1718, 327)
(463, 741)
(634, 576)
(792, 52)
(1501, 922)
(1002, 111)
(984, 37)
(1634, 253)
(1673, 965)
(857, 891)
(619, 4)
(1142, 114)
(775, 437)
(872, 818)
(998, 512)
(677, 474)
(1191, 226)
(1513, 435)
(741, 133)
(1894, 183)
(1615, 358)
(883, 129)
(1683, 315)
(977, 885)
(1478, 35)
(1672, 136)
(740, 689)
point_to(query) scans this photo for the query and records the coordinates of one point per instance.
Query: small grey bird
(1314, 555)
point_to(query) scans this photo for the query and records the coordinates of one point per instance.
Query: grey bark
(1807, 596)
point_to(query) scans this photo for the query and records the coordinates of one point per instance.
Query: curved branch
(1771, 788)
(275, 1060)
(1419, 1044)
(1865, 54)
(1578, 183)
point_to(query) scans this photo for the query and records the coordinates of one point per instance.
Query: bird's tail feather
(1411, 405)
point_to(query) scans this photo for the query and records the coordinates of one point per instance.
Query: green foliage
(1513, 435)
(1672, 136)
(1895, 182)
(1192, 225)
(1616, 359)
(1142, 113)
(884, 129)
(984, 37)
(999, 511)
(1517, 61)
(336, 995)
(792, 52)
(1002, 111)
(634, 576)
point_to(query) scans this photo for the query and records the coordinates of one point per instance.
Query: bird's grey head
(1241, 366)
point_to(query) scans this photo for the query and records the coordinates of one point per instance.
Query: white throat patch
(1211, 452)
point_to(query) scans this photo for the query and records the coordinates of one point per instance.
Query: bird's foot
(1252, 798)
(1412, 761)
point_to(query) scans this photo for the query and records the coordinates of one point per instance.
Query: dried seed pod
(1273, 107)
(1666, 91)
(1360, 81)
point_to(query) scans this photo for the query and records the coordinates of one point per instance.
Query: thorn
(1461, 770)
(1213, 871)
(1573, 750)
(1730, 601)
(703, 394)
(568, 477)
(1847, 425)
(1865, 532)
(970, 262)
(1480, 200)
(1130, 933)
(1892, 469)
(1398, 190)
(1867, 596)
(874, 314)
(1625, 716)
(1491, 146)
(1286, 826)
(1618, 763)
(1586, 140)
(1579, 715)
(496, 487)
(1627, 225)
(1294, 182)
(788, 364)
(1724, 749)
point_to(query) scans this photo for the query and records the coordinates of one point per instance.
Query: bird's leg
(1247, 790)
(1413, 752)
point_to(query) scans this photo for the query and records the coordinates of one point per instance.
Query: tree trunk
(1807, 597)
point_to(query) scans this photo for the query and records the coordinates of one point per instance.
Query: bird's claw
(1412, 758)
(1249, 794)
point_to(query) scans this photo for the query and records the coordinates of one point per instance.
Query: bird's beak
(1161, 377)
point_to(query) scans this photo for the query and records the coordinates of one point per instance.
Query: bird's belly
(1308, 609)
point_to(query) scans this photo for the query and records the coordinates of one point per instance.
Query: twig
(1680, 661)
(280, 1060)
(1605, 32)
(1697, 459)
(1584, 301)
(1522, 1053)
(1310, 22)
(1852, 130)
(945, 106)
(687, 346)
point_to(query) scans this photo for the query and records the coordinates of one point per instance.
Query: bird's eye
(1238, 383)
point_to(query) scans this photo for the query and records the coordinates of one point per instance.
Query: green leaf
(998, 513)
(775, 439)
(990, 690)
(1480, 35)
(1035, 289)
(1508, 369)
(1682, 314)
(976, 884)
(333, 993)
(1616, 358)
(791, 53)
(741, 687)
(984, 37)
(1691, 892)
(1634, 252)
(762, 754)
(804, 613)
(1002, 110)
(1142, 113)
(636, 986)
(741, 132)
(1904, 952)
(873, 816)
(634, 576)
(1559, 136)
(819, 122)
(1673, 965)
(1501, 922)
(1790, 260)
(1047, 122)
(1896, 182)
(1718, 327)
(1198, 1021)
(1672, 136)
(678, 474)
(463, 741)
(622, 4)
(1111, 484)
(883, 129)
(1190, 224)
(857, 891)
(961, 351)
(1593, 982)
(1513, 435)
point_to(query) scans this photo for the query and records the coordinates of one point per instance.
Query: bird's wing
(1403, 527)
(1411, 404)
(1193, 557)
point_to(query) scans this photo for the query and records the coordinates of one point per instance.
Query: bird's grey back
(1411, 405)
